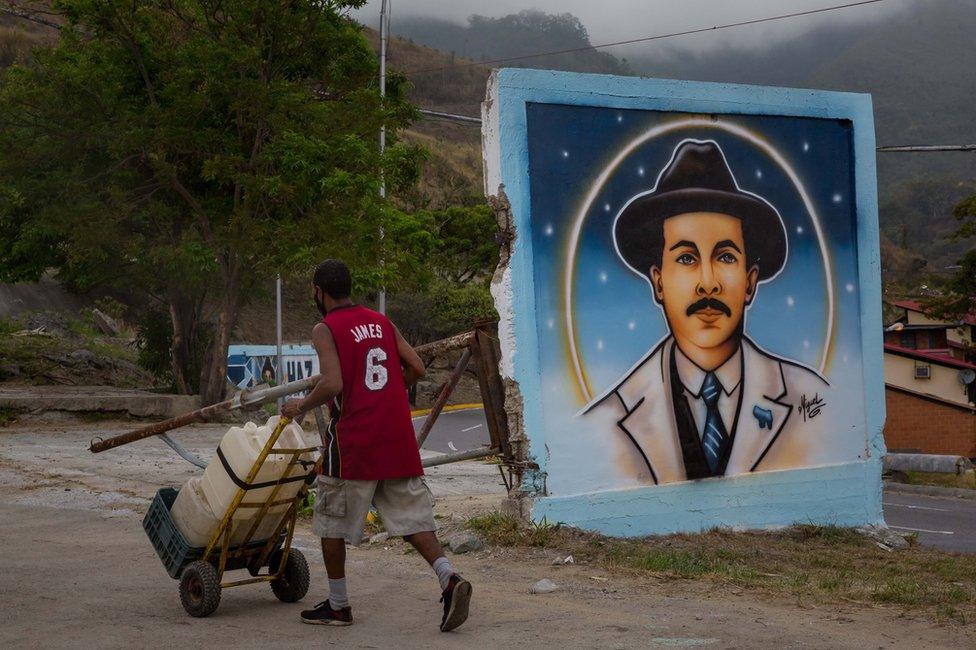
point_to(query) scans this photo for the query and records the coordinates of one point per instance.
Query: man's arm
(330, 377)
(413, 365)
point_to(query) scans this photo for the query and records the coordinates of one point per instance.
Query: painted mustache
(708, 303)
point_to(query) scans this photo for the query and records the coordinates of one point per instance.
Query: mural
(250, 365)
(695, 307)
(708, 400)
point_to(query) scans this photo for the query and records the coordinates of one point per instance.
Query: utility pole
(280, 377)
(384, 34)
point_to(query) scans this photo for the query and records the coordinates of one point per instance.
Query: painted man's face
(703, 281)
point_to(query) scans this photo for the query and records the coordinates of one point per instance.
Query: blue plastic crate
(172, 547)
(166, 538)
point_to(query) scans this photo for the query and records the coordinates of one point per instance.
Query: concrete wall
(944, 383)
(569, 152)
(924, 425)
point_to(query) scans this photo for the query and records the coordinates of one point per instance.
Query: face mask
(320, 305)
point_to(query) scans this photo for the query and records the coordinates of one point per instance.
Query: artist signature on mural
(810, 408)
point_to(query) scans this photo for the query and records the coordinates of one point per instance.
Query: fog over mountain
(915, 57)
(615, 20)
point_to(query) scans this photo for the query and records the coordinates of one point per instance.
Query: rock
(465, 542)
(105, 323)
(49, 322)
(884, 536)
(559, 561)
(379, 538)
(544, 586)
(83, 356)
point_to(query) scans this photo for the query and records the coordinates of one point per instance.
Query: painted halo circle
(601, 180)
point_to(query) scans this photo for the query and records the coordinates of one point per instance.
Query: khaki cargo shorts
(405, 504)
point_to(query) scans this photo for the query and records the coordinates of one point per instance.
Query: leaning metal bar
(459, 456)
(252, 397)
(443, 397)
(256, 397)
(428, 351)
(181, 450)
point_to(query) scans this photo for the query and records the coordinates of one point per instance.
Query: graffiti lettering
(811, 408)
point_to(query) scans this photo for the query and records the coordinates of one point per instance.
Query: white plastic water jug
(197, 521)
(202, 502)
(237, 453)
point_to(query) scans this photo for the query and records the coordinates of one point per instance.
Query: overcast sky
(614, 20)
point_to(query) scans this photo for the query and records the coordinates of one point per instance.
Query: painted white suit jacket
(638, 413)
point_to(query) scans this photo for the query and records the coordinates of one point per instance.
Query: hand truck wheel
(293, 583)
(200, 589)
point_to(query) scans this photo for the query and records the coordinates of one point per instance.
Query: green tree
(958, 298)
(458, 269)
(188, 149)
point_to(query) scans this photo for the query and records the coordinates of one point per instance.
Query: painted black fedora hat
(698, 179)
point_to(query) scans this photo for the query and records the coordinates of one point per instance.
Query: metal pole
(446, 391)
(279, 376)
(253, 397)
(444, 459)
(264, 395)
(384, 29)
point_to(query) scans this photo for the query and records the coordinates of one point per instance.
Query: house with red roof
(930, 383)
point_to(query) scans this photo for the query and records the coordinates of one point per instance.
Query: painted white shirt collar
(729, 375)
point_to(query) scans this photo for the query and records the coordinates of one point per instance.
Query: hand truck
(201, 570)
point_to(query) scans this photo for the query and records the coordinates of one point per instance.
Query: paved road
(456, 431)
(945, 523)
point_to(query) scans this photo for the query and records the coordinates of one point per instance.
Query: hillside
(515, 35)
(911, 63)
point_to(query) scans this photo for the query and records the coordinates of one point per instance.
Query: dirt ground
(79, 572)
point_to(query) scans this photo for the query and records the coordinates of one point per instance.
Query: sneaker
(323, 614)
(456, 599)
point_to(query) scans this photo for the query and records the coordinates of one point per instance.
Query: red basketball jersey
(371, 434)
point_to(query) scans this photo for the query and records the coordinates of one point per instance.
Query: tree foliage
(191, 148)
(958, 299)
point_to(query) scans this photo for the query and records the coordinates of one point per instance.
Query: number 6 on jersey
(375, 370)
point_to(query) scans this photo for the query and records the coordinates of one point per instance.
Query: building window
(907, 340)
(923, 371)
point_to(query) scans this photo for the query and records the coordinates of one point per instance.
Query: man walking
(371, 454)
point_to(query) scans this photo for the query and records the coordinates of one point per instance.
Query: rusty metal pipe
(443, 397)
(471, 454)
(252, 397)
(258, 396)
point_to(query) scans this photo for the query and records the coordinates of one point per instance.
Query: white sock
(442, 567)
(338, 597)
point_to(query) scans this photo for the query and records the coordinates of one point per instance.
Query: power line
(921, 148)
(914, 148)
(700, 30)
(451, 117)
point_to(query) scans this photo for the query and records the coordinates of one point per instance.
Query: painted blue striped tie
(714, 437)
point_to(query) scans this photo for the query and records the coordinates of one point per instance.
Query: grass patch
(9, 326)
(505, 530)
(306, 506)
(8, 415)
(45, 360)
(966, 480)
(815, 564)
